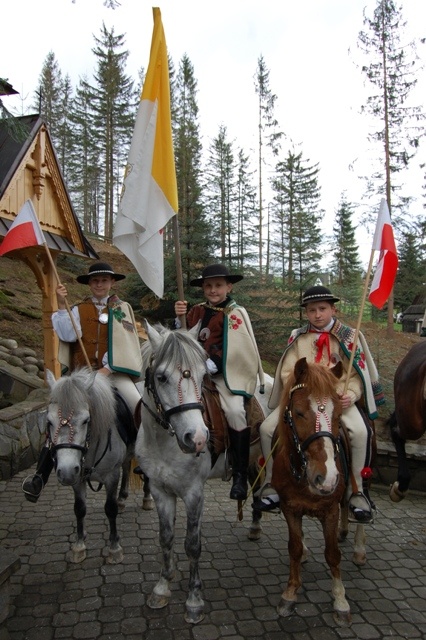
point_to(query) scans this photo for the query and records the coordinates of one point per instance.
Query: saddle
(215, 421)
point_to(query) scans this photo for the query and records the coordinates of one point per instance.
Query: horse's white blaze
(329, 482)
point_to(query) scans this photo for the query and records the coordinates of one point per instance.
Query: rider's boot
(361, 508)
(33, 485)
(240, 450)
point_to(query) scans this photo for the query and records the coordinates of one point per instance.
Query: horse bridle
(161, 415)
(302, 447)
(54, 446)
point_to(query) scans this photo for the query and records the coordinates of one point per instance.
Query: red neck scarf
(323, 340)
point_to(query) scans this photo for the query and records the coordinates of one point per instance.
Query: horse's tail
(392, 425)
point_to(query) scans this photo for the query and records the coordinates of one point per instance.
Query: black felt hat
(99, 269)
(318, 294)
(215, 271)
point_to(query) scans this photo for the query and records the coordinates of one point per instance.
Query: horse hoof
(359, 558)
(286, 608)
(78, 556)
(194, 615)
(156, 601)
(148, 504)
(115, 556)
(342, 618)
(255, 533)
(395, 494)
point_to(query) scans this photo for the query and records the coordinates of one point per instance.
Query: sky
(309, 47)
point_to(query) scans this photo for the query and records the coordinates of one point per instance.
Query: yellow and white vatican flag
(149, 197)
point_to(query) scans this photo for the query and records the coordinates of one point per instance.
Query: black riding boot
(240, 451)
(32, 486)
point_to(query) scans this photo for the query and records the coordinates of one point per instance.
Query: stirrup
(360, 515)
(31, 495)
(266, 503)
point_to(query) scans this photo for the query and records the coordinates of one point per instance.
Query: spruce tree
(268, 141)
(345, 266)
(390, 70)
(411, 270)
(85, 169)
(220, 193)
(297, 218)
(113, 102)
(195, 240)
(48, 98)
(245, 245)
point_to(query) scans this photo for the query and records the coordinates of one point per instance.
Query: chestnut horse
(408, 421)
(308, 474)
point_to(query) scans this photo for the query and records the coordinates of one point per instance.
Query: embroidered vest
(94, 338)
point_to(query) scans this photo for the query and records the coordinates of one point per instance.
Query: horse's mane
(85, 385)
(178, 347)
(319, 380)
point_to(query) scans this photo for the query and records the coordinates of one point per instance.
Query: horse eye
(161, 377)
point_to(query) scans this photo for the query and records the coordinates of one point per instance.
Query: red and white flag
(385, 274)
(25, 231)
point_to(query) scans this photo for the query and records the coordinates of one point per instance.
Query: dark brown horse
(309, 477)
(408, 421)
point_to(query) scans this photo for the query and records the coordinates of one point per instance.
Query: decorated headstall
(319, 433)
(161, 415)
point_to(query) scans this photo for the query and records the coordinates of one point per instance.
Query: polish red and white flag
(25, 231)
(385, 273)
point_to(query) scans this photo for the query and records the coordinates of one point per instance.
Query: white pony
(172, 450)
(91, 436)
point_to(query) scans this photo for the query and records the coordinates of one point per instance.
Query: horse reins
(302, 447)
(54, 446)
(161, 415)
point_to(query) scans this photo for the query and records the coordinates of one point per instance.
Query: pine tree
(391, 71)
(345, 266)
(220, 193)
(84, 176)
(245, 245)
(48, 98)
(64, 129)
(296, 218)
(113, 102)
(269, 136)
(195, 241)
(411, 270)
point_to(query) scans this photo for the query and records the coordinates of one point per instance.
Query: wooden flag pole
(52, 264)
(179, 274)
(358, 325)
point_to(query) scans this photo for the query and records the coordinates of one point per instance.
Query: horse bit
(301, 448)
(161, 416)
(54, 446)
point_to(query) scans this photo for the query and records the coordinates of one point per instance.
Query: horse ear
(195, 330)
(300, 368)
(50, 378)
(153, 335)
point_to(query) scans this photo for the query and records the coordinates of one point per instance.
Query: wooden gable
(29, 170)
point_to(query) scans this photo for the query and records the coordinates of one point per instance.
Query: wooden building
(29, 170)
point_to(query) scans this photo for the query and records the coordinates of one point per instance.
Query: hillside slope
(20, 310)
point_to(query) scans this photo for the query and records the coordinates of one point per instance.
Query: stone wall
(23, 407)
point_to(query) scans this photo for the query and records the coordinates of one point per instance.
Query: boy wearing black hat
(326, 340)
(233, 360)
(109, 340)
